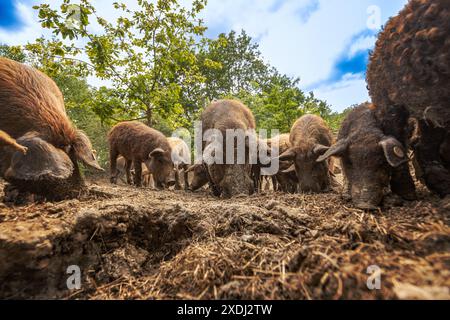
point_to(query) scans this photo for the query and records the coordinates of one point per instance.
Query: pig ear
(41, 162)
(84, 151)
(320, 149)
(176, 159)
(290, 169)
(288, 155)
(191, 168)
(158, 152)
(393, 151)
(335, 150)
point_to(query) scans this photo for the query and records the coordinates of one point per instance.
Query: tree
(237, 70)
(148, 54)
(232, 64)
(12, 52)
(280, 103)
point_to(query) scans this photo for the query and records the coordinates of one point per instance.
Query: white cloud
(350, 90)
(297, 37)
(306, 49)
(30, 31)
(363, 43)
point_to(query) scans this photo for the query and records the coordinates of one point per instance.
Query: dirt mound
(142, 244)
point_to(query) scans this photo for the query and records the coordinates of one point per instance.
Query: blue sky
(9, 18)
(324, 42)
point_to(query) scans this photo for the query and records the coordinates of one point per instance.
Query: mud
(144, 244)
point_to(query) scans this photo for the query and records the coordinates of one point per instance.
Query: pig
(368, 158)
(232, 179)
(199, 179)
(138, 144)
(182, 151)
(310, 138)
(286, 179)
(33, 113)
(409, 76)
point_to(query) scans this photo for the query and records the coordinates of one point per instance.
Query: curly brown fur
(432, 153)
(410, 65)
(409, 75)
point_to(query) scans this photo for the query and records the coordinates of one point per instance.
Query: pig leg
(113, 165)
(6, 139)
(435, 175)
(256, 181)
(120, 175)
(151, 181)
(137, 173)
(177, 179)
(402, 183)
(186, 179)
(347, 192)
(274, 183)
(145, 180)
(128, 164)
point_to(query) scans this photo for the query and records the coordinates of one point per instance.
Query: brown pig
(138, 144)
(32, 112)
(286, 179)
(409, 76)
(368, 157)
(310, 138)
(233, 178)
(182, 153)
(199, 178)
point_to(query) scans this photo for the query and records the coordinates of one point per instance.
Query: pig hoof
(24, 150)
(409, 196)
(366, 206)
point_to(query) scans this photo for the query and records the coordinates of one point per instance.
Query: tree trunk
(148, 116)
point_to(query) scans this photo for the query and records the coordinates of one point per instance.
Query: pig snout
(244, 188)
(314, 183)
(167, 180)
(170, 182)
(367, 197)
(195, 185)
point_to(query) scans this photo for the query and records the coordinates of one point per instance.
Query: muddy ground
(144, 244)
